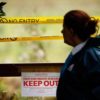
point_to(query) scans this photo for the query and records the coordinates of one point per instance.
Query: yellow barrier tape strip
(35, 38)
(33, 20)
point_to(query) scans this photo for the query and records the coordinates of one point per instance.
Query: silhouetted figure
(2, 13)
(80, 74)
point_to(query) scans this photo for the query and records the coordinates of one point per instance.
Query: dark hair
(82, 24)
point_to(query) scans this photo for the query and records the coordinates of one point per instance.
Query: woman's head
(79, 24)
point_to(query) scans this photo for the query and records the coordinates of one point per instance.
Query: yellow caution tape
(97, 17)
(33, 20)
(35, 38)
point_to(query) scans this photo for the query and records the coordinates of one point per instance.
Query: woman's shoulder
(93, 52)
(92, 49)
(91, 58)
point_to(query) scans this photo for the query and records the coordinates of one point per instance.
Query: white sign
(39, 83)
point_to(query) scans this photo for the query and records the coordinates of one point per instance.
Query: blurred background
(35, 51)
(39, 51)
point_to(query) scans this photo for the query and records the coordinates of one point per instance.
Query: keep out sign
(39, 83)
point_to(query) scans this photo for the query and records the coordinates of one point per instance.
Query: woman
(80, 75)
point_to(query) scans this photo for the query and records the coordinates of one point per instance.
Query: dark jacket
(83, 82)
